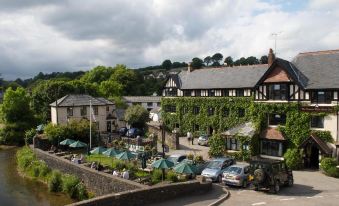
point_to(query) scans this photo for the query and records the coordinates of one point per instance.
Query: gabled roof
(272, 133)
(245, 129)
(321, 68)
(292, 71)
(320, 144)
(142, 98)
(222, 77)
(80, 100)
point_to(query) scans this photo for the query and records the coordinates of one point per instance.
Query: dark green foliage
(229, 61)
(24, 157)
(217, 146)
(14, 133)
(328, 165)
(293, 159)
(216, 58)
(29, 135)
(137, 116)
(197, 63)
(55, 182)
(156, 176)
(167, 64)
(70, 185)
(264, 59)
(207, 60)
(323, 135)
(171, 176)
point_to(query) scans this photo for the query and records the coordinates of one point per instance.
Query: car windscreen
(234, 170)
(214, 165)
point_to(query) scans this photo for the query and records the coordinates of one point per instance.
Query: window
(271, 148)
(158, 104)
(277, 119)
(233, 144)
(196, 110)
(83, 111)
(95, 109)
(241, 112)
(196, 128)
(187, 93)
(170, 108)
(321, 97)
(317, 121)
(210, 111)
(225, 112)
(171, 92)
(197, 93)
(149, 104)
(277, 91)
(184, 110)
(70, 111)
(211, 93)
(107, 108)
(239, 92)
(225, 92)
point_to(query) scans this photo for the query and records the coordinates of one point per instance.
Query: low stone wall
(98, 182)
(154, 194)
(171, 139)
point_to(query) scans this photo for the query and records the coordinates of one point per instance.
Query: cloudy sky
(71, 35)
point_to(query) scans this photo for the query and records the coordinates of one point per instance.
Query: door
(314, 157)
(109, 126)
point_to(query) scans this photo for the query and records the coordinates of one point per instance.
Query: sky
(72, 35)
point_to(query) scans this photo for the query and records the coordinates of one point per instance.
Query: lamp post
(162, 127)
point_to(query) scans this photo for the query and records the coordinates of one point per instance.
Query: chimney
(189, 68)
(271, 57)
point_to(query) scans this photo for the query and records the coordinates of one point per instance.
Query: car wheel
(290, 182)
(276, 187)
(219, 179)
(244, 183)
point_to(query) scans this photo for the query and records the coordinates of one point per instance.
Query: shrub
(328, 165)
(156, 176)
(29, 135)
(55, 183)
(25, 157)
(70, 184)
(217, 146)
(199, 159)
(293, 159)
(172, 176)
(82, 192)
(190, 156)
(118, 164)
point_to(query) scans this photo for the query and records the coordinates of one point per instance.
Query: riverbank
(4, 147)
(29, 166)
(18, 191)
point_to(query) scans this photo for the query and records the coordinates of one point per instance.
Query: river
(18, 191)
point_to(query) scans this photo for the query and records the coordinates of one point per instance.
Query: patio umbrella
(78, 144)
(127, 155)
(111, 152)
(98, 150)
(67, 142)
(185, 168)
(162, 164)
(40, 128)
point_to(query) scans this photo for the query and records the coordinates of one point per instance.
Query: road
(310, 188)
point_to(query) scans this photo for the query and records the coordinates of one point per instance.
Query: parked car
(203, 140)
(176, 158)
(216, 167)
(199, 166)
(270, 174)
(134, 132)
(122, 131)
(237, 175)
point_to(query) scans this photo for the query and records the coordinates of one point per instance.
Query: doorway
(312, 157)
(210, 131)
(109, 126)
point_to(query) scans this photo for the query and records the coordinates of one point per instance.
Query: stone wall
(171, 139)
(150, 195)
(98, 182)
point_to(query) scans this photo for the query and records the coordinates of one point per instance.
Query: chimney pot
(189, 68)
(271, 57)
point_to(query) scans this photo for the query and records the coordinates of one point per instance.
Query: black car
(134, 132)
(270, 174)
(122, 131)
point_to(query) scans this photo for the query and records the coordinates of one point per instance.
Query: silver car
(216, 167)
(203, 140)
(236, 175)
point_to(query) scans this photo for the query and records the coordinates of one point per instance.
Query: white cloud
(79, 34)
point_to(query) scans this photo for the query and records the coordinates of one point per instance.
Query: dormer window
(277, 91)
(321, 97)
(211, 93)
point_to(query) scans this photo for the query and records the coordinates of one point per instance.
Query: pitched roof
(80, 100)
(142, 98)
(320, 69)
(322, 146)
(245, 129)
(222, 77)
(272, 133)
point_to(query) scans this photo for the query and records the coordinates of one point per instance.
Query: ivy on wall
(296, 129)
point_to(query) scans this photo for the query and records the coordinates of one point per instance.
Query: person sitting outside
(80, 160)
(125, 174)
(93, 165)
(116, 173)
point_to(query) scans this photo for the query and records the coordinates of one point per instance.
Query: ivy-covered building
(291, 104)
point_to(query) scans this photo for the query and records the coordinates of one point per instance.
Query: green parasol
(185, 168)
(127, 155)
(78, 144)
(67, 142)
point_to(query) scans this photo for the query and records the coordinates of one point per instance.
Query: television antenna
(275, 36)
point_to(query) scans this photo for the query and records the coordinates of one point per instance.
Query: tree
(208, 60)
(127, 78)
(264, 59)
(110, 88)
(252, 60)
(97, 74)
(136, 116)
(16, 106)
(217, 57)
(178, 64)
(167, 64)
(229, 61)
(197, 63)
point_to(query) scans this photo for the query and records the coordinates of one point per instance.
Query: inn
(309, 84)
